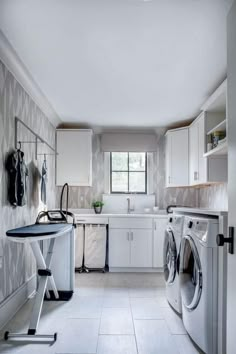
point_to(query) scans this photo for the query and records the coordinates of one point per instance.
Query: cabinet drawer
(130, 223)
(90, 220)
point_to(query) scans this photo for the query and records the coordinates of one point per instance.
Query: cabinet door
(202, 161)
(193, 151)
(74, 159)
(179, 158)
(158, 241)
(168, 159)
(119, 248)
(140, 248)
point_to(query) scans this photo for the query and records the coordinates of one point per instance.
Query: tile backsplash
(214, 197)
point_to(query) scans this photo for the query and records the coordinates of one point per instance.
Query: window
(128, 172)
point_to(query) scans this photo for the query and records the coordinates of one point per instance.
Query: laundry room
(117, 170)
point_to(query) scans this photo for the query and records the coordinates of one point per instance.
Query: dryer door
(169, 256)
(190, 273)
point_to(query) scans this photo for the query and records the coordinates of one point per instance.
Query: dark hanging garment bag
(17, 178)
(11, 166)
(22, 174)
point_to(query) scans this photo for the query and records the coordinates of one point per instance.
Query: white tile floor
(112, 313)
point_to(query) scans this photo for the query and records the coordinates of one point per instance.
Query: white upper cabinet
(177, 157)
(74, 159)
(197, 163)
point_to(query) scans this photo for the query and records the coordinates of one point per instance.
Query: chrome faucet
(129, 209)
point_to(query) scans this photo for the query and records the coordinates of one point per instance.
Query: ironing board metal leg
(36, 312)
(41, 261)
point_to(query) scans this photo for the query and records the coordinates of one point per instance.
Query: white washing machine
(172, 241)
(198, 274)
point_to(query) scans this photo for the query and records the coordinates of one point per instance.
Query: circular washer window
(170, 257)
(190, 273)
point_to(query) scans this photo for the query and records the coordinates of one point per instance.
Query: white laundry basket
(95, 247)
(79, 247)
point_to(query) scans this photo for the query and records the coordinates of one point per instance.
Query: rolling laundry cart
(54, 230)
(95, 247)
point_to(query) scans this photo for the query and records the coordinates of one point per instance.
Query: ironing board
(32, 234)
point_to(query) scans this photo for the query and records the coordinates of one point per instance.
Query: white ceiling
(121, 62)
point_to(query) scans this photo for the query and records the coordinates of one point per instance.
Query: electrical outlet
(174, 200)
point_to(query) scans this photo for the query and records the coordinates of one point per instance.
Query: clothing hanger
(45, 160)
(19, 150)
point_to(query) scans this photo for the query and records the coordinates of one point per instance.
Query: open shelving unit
(216, 120)
(219, 150)
(220, 126)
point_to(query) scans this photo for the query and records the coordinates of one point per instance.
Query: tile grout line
(135, 338)
(100, 323)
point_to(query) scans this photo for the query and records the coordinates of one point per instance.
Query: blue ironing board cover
(39, 230)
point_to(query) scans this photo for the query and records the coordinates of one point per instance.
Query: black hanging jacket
(17, 178)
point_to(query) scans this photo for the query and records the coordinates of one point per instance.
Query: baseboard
(135, 270)
(15, 301)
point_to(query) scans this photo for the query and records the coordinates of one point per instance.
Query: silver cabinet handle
(169, 179)
(195, 176)
(132, 235)
(128, 236)
(155, 225)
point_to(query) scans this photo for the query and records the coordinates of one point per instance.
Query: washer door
(169, 257)
(190, 273)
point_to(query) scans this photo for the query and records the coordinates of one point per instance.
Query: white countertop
(203, 211)
(91, 213)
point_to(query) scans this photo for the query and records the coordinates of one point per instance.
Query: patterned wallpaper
(17, 265)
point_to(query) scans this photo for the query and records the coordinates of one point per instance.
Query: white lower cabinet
(158, 241)
(119, 248)
(141, 248)
(130, 248)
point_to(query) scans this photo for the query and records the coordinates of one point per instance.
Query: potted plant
(97, 205)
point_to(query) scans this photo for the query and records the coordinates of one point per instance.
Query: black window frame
(128, 171)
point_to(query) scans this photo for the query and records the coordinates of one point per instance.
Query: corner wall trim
(15, 301)
(15, 65)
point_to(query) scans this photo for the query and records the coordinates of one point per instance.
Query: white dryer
(198, 274)
(172, 241)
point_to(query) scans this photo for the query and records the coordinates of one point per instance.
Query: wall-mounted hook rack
(38, 138)
(48, 154)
